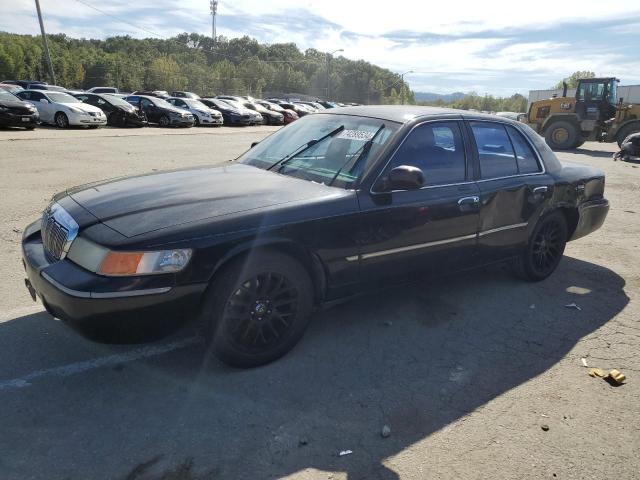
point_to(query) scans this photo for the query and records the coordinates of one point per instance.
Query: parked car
(306, 107)
(289, 115)
(24, 83)
(63, 110)
(375, 196)
(327, 104)
(153, 93)
(15, 112)
(314, 105)
(42, 86)
(158, 110)
(203, 115)
(231, 115)
(256, 118)
(103, 90)
(180, 94)
(300, 111)
(269, 117)
(119, 112)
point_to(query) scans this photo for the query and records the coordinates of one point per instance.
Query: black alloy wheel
(545, 248)
(164, 121)
(258, 309)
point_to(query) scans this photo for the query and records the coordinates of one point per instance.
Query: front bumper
(79, 119)
(591, 216)
(182, 121)
(211, 121)
(19, 120)
(88, 301)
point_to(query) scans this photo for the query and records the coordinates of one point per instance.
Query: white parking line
(100, 362)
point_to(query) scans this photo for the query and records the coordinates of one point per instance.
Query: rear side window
(527, 161)
(497, 158)
(437, 149)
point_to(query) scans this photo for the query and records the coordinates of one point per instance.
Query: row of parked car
(27, 103)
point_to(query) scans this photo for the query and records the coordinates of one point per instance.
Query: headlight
(77, 110)
(107, 262)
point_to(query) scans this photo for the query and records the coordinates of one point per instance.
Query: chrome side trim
(81, 294)
(502, 229)
(418, 246)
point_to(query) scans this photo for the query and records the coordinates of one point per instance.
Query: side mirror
(404, 177)
(44, 100)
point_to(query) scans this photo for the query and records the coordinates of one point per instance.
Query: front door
(152, 112)
(431, 229)
(513, 188)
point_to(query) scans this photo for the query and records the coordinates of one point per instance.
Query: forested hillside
(191, 62)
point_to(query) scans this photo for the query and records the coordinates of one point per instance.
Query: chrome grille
(58, 231)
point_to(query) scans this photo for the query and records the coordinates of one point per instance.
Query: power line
(120, 19)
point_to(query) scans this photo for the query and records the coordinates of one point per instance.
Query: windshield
(321, 162)
(159, 102)
(4, 95)
(234, 104)
(613, 92)
(117, 101)
(195, 103)
(58, 97)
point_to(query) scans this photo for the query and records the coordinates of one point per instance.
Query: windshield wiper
(362, 152)
(287, 158)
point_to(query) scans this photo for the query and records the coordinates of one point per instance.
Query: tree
(572, 80)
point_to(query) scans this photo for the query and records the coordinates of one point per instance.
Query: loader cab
(596, 98)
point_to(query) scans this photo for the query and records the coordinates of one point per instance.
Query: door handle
(540, 190)
(467, 203)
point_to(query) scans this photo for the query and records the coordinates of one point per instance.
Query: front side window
(496, 155)
(338, 159)
(437, 149)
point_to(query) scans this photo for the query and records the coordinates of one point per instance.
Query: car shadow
(415, 358)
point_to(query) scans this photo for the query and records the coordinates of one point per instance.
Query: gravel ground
(465, 372)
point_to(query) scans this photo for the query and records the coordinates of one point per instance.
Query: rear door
(431, 229)
(513, 187)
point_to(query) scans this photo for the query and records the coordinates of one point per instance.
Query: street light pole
(44, 42)
(402, 84)
(328, 55)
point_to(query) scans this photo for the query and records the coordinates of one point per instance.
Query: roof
(406, 113)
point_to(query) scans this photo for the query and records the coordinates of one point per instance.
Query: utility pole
(44, 42)
(328, 55)
(213, 5)
(402, 85)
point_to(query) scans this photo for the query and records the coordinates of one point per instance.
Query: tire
(562, 135)
(257, 309)
(544, 249)
(61, 119)
(626, 131)
(164, 121)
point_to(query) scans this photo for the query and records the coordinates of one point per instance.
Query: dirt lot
(465, 371)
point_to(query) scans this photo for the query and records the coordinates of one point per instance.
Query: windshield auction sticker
(359, 135)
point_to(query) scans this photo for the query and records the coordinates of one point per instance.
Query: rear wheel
(545, 248)
(562, 135)
(258, 309)
(625, 132)
(62, 121)
(164, 121)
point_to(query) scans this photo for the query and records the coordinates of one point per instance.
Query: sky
(489, 46)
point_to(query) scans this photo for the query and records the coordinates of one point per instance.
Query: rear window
(526, 159)
(497, 158)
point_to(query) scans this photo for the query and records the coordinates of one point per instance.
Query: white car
(63, 110)
(202, 114)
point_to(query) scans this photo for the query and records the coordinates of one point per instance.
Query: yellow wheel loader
(595, 113)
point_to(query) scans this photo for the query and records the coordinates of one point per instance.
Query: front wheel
(545, 248)
(62, 121)
(257, 309)
(562, 135)
(164, 121)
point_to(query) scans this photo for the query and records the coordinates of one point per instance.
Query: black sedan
(230, 114)
(158, 110)
(331, 205)
(119, 112)
(16, 113)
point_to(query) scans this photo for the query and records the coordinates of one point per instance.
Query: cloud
(488, 46)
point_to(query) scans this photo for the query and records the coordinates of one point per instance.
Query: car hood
(85, 107)
(137, 205)
(13, 103)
